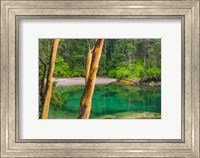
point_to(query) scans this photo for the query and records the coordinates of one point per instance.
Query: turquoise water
(111, 102)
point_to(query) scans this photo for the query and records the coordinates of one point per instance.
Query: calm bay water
(111, 102)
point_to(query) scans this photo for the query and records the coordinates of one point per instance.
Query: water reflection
(111, 99)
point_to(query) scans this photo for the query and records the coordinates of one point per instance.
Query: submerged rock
(131, 115)
(136, 82)
(152, 83)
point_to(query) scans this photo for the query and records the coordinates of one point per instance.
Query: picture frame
(13, 11)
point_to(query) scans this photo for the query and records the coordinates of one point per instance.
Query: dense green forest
(121, 58)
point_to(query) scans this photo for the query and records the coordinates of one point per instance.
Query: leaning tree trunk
(43, 79)
(90, 78)
(48, 91)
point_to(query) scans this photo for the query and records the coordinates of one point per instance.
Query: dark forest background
(121, 58)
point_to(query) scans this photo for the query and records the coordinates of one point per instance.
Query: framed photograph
(100, 78)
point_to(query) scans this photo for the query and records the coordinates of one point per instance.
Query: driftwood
(48, 92)
(92, 63)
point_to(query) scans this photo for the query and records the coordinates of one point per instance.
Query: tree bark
(43, 79)
(130, 63)
(48, 91)
(104, 65)
(91, 71)
(88, 65)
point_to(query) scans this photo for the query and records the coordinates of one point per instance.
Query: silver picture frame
(13, 11)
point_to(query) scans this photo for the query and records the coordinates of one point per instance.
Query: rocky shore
(61, 82)
(136, 82)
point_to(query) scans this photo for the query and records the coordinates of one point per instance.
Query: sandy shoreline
(60, 82)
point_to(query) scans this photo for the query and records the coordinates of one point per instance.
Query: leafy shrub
(56, 100)
(112, 73)
(153, 73)
(61, 68)
(119, 72)
(122, 72)
(77, 72)
(138, 69)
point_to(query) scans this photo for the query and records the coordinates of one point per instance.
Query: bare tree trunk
(43, 79)
(48, 91)
(88, 65)
(91, 71)
(144, 58)
(145, 52)
(104, 64)
(130, 63)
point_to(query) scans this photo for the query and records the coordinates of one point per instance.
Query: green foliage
(153, 73)
(56, 100)
(119, 72)
(115, 60)
(40, 105)
(61, 68)
(121, 58)
(138, 70)
(102, 65)
(77, 72)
